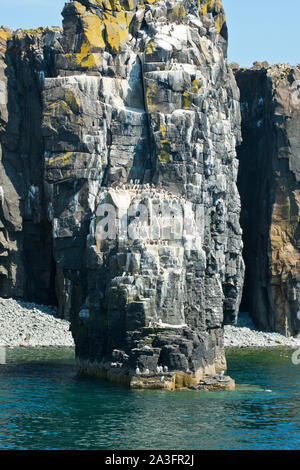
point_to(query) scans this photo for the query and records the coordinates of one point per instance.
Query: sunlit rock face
(269, 183)
(139, 123)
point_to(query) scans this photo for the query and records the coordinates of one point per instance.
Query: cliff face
(130, 112)
(269, 184)
(26, 269)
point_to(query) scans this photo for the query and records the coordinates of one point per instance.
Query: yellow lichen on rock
(57, 108)
(219, 22)
(34, 32)
(69, 106)
(61, 160)
(179, 10)
(86, 59)
(66, 158)
(22, 33)
(4, 34)
(203, 8)
(72, 101)
(100, 32)
(196, 88)
(150, 47)
(93, 42)
(186, 100)
(80, 9)
(92, 28)
(164, 154)
(89, 55)
(131, 4)
(151, 91)
(116, 28)
(215, 7)
(115, 5)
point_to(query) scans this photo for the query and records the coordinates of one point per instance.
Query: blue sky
(258, 29)
(263, 30)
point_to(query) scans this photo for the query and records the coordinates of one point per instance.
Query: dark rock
(269, 184)
(118, 96)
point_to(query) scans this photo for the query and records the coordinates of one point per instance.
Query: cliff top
(114, 11)
(274, 69)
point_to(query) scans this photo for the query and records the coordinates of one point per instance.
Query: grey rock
(269, 183)
(147, 99)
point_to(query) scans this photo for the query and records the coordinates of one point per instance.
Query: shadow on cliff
(29, 267)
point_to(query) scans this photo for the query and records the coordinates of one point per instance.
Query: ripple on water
(43, 405)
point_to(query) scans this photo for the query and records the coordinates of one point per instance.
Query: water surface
(43, 405)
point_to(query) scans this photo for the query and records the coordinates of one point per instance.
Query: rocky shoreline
(32, 325)
(246, 335)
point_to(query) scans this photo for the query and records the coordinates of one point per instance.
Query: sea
(44, 405)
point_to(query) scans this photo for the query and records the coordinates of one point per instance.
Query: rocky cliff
(118, 177)
(26, 267)
(269, 184)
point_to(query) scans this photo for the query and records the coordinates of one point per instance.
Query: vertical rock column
(145, 113)
(269, 179)
(26, 263)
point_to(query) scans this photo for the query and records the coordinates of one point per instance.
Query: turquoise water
(43, 405)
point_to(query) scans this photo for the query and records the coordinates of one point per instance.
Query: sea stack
(136, 114)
